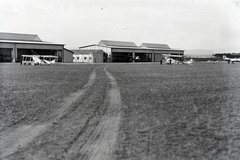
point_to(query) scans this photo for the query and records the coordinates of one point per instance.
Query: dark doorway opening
(21, 52)
(122, 57)
(144, 57)
(5, 55)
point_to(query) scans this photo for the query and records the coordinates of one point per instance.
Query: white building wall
(82, 58)
(96, 47)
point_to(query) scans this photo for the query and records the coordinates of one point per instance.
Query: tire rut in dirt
(20, 135)
(97, 139)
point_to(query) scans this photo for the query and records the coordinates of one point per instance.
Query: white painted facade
(82, 58)
(97, 47)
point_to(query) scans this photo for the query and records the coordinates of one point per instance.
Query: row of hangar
(14, 45)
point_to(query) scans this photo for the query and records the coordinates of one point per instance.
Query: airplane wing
(53, 61)
(235, 60)
(50, 62)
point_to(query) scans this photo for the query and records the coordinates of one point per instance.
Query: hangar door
(21, 52)
(122, 57)
(5, 55)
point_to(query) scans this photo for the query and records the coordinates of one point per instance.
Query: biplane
(38, 59)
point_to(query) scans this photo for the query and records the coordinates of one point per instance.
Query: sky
(182, 24)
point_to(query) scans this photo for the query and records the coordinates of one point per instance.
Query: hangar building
(14, 45)
(121, 51)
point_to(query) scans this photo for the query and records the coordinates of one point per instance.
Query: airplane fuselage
(232, 60)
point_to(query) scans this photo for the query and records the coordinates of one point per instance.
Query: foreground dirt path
(101, 129)
(83, 126)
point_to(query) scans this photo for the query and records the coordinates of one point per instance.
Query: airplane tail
(225, 58)
(188, 62)
(191, 61)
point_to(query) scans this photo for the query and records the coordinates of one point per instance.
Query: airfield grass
(168, 112)
(179, 111)
(30, 91)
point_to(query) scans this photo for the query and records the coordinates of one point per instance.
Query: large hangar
(14, 45)
(121, 51)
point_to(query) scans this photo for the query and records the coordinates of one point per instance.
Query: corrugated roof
(68, 50)
(19, 37)
(29, 42)
(90, 51)
(155, 45)
(117, 43)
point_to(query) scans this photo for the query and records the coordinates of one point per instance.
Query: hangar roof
(123, 47)
(154, 45)
(117, 43)
(19, 37)
(130, 45)
(87, 51)
(23, 39)
(68, 50)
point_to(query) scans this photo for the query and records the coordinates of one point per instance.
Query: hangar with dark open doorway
(121, 51)
(14, 45)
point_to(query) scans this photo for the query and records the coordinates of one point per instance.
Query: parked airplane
(169, 60)
(232, 60)
(30, 60)
(174, 61)
(188, 62)
(37, 59)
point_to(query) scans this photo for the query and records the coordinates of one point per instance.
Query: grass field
(28, 90)
(179, 111)
(168, 112)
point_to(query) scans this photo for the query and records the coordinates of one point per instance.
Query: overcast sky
(182, 24)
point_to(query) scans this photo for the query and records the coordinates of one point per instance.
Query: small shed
(89, 56)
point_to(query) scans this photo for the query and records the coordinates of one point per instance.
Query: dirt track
(83, 126)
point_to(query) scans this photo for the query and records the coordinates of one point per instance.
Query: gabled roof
(154, 45)
(87, 51)
(117, 43)
(19, 37)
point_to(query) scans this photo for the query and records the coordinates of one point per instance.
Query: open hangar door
(5, 55)
(144, 57)
(122, 57)
(128, 57)
(21, 52)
